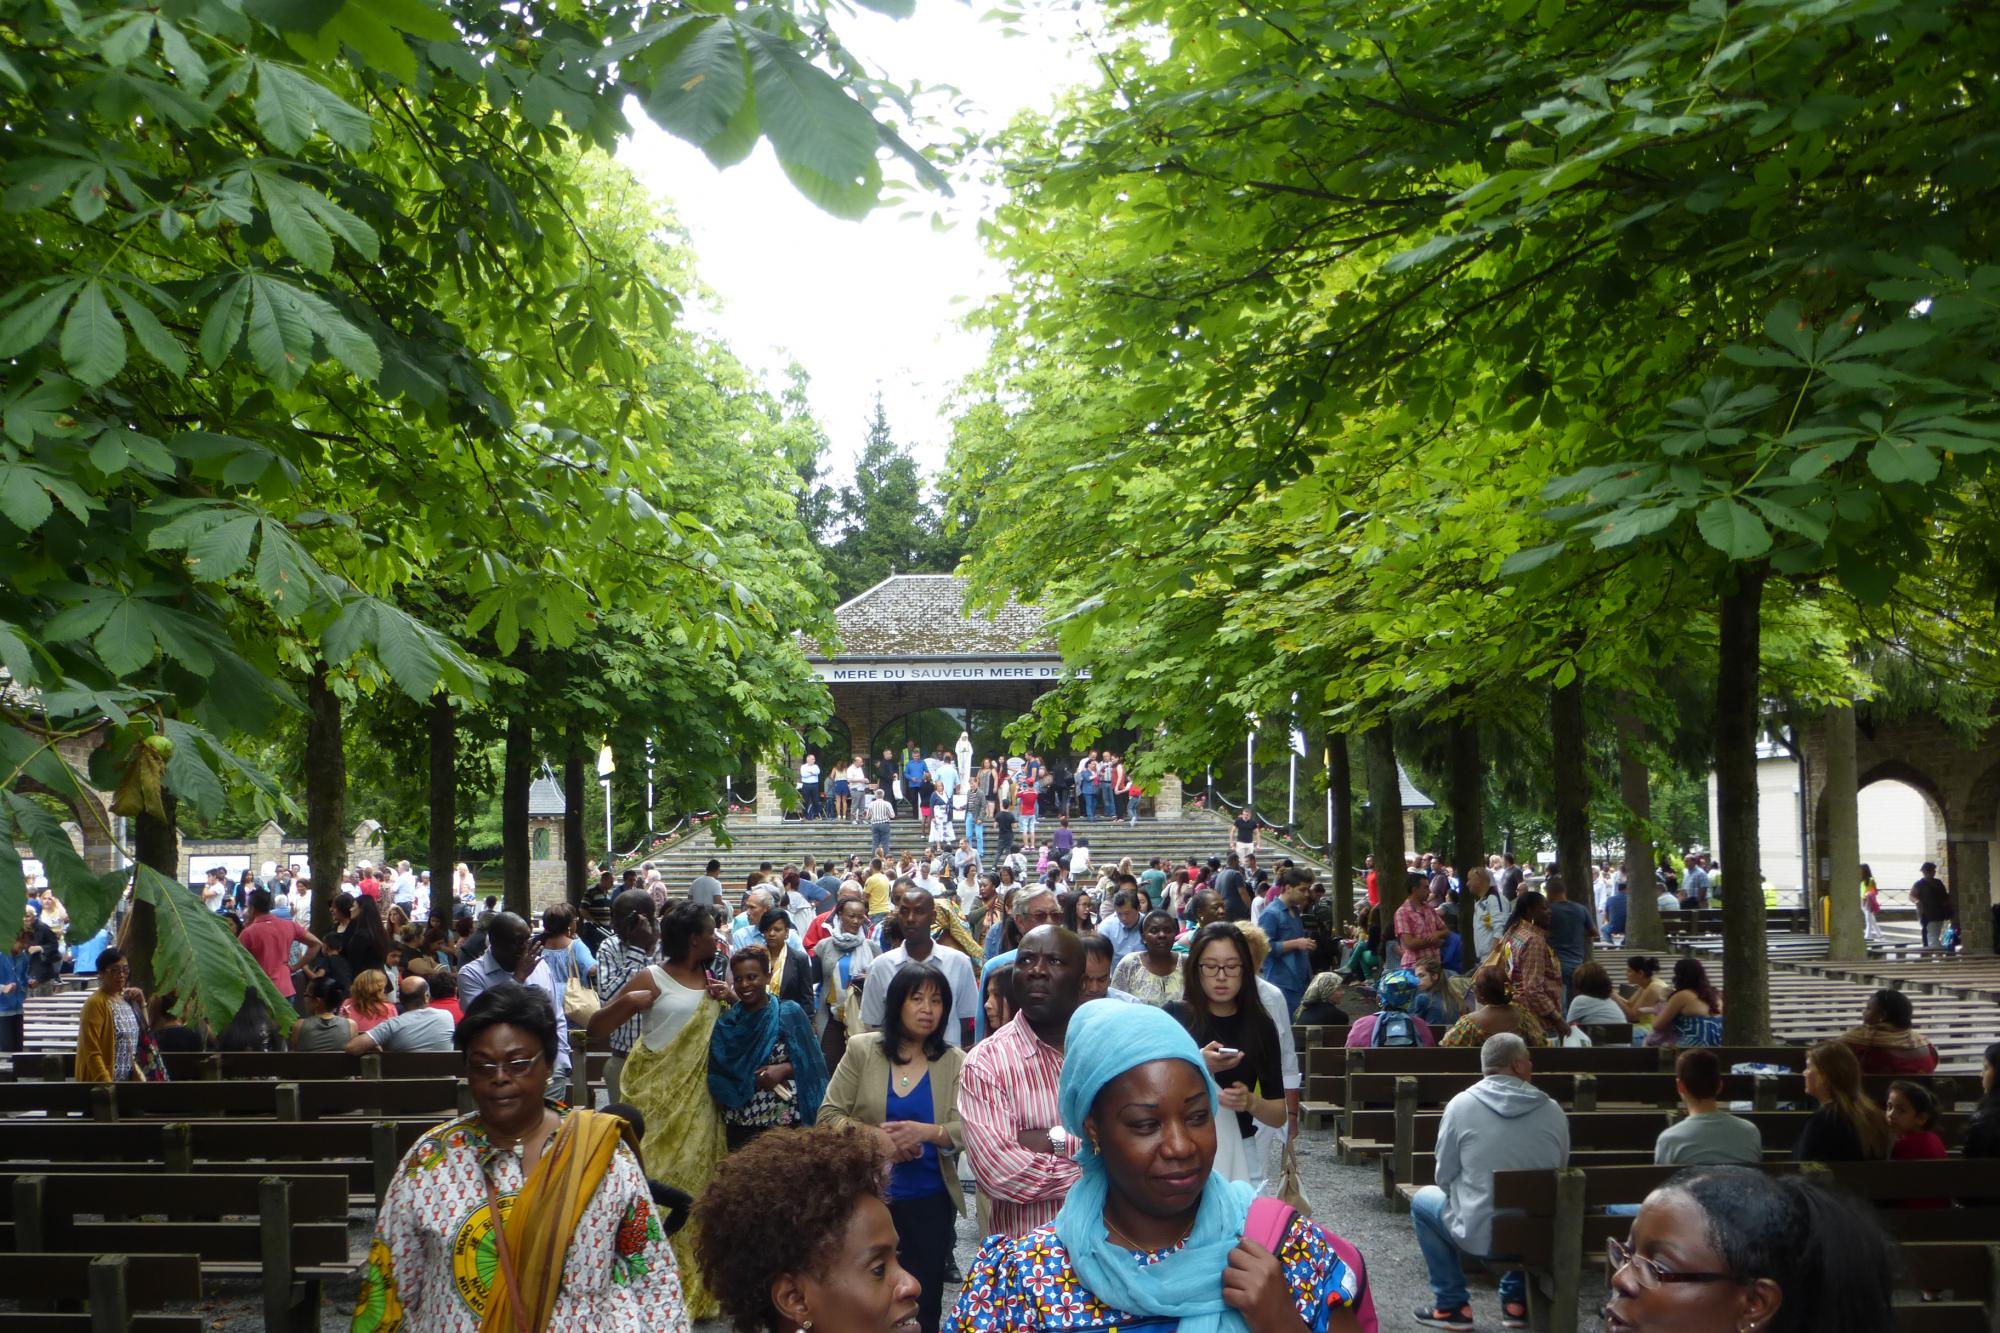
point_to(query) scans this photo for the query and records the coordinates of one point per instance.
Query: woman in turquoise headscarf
(1149, 1238)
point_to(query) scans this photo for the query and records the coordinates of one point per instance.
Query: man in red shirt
(369, 887)
(270, 939)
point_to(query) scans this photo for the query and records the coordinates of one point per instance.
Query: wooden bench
(365, 1153)
(289, 1231)
(1551, 1220)
(314, 1100)
(124, 1291)
(1414, 1135)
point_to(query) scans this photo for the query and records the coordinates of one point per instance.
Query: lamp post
(605, 768)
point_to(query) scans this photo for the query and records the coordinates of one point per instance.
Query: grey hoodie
(1498, 1124)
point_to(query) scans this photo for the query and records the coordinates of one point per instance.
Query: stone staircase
(1198, 833)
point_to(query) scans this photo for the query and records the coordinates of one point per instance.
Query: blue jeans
(1441, 1255)
(1090, 804)
(975, 833)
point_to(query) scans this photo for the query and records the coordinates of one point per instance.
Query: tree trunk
(1845, 940)
(1643, 927)
(1340, 783)
(515, 774)
(1571, 779)
(1468, 814)
(442, 724)
(1385, 811)
(156, 845)
(1746, 1017)
(576, 864)
(326, 796)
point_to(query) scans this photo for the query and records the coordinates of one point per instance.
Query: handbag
(1267, 1223)
(1290, 1190)
(580, 1002)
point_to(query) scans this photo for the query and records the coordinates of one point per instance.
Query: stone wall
(1961, 783)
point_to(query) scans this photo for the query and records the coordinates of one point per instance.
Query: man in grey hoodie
(1501, 1123)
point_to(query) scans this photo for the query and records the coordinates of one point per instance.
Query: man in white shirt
(916, 912)
(809, 788)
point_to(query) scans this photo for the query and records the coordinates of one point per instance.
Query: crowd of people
(1096, 1060)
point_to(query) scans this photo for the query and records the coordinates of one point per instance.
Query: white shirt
(808, 772)
(958, 974)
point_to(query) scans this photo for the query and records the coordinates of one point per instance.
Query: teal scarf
(1106, 1040)
(741, 1042)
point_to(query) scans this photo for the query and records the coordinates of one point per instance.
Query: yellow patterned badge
(473, 1257)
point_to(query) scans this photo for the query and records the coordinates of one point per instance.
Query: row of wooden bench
(1556, 1222)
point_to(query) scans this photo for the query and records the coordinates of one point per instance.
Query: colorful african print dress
(432, 1265)
(1027, 1283)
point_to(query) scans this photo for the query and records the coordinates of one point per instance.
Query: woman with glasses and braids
(1729, 1249)
(524, 1214)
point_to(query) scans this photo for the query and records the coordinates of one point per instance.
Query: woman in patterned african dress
(1149, 1238)
(578, 1246)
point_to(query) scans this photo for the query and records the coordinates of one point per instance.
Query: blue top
(914, 773)
(920, 1178)
(14, 971)
(1125, 940)
(1285, 968)
(1614, 912)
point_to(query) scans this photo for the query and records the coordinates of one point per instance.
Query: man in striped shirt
(1007, 1089)
(638, 932)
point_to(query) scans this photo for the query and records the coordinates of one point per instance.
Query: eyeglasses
(1650, 1274)
(514, 1068)
(1045, 916)
(1221, 969)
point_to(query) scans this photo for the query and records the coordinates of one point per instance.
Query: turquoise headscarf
(1107, 1039)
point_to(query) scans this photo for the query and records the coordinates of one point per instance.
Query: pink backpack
(1269, 1217)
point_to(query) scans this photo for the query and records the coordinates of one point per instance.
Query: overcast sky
(870, 304)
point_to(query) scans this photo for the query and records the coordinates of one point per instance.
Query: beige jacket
(859, 1095)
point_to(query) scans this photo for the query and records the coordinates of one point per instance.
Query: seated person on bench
(421, 1026)
(1501, 1123)
(1885, 1043)
(1395, 1024)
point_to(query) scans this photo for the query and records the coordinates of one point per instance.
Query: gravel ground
(1348, 1199)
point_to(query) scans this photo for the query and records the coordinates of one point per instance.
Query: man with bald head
(416, 1027)
(1007, 1088)
(514, 958)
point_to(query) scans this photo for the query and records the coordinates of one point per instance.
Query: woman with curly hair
(1494, 1013)
(524, 1214)
(824, 1261)
(367, 1005)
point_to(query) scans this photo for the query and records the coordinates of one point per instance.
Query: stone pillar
(1972, 890)
(1839, 871)
(766, 804)
(1167, 805)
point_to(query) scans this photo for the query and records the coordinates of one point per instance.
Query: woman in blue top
(1692, 1015)
(902, 1083)
(13, 992)
(1148, 1237)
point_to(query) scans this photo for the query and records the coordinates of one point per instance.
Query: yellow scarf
(545, 1216)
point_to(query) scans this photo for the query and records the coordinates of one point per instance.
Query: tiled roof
(545, 797)
(923, 615)
(1413, 798)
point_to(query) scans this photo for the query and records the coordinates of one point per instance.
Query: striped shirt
(615, 967)
(1008, 1084)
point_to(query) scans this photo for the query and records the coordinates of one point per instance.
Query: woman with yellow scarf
(524, 1216)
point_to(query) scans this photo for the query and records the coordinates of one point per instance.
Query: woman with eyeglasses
(1730, 1249)
(523, 1215)
(1239, 1044)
